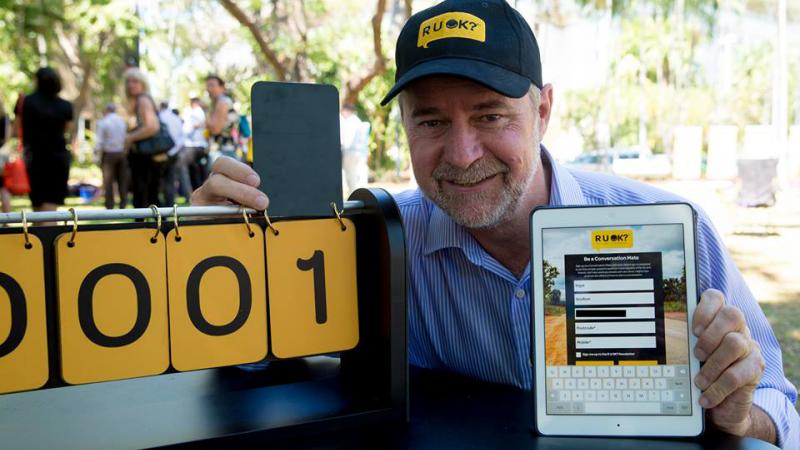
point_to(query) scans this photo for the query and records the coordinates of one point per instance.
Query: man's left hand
(733, 363)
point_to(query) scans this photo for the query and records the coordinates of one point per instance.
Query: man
(110, 145)
(193, 164)
(175, 128)
(222, 121)
(475, 109)
(355, 148)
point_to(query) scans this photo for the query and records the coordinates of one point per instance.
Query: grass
(785, 320)
(553, 310)
(675, 306)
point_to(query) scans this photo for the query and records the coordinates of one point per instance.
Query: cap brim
(494, 77)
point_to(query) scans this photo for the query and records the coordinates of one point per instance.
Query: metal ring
(28, 244)
(338, 215)
(247, 223)
(157, 213)
(269, 224)
(175, 221)
(71, 242)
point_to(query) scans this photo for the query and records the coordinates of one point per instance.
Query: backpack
(244, 126)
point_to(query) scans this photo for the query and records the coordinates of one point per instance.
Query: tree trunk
(277, 65)
(408, 8)
(355, 85)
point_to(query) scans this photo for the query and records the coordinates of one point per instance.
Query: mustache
(479, 170)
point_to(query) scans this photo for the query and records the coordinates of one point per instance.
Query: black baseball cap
(486, 41)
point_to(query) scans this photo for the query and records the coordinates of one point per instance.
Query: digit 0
(193, 296)
(19, 314)
(85, 307)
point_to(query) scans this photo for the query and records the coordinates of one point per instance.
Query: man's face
(474, 151)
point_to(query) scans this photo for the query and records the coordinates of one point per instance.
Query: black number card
(296, 147)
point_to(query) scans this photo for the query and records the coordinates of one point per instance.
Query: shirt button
(520, 294)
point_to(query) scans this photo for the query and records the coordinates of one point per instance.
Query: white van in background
(627, 162)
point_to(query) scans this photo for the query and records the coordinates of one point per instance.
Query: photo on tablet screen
(616, 322)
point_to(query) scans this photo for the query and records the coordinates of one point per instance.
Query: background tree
(297, 41)
(675, 293)
(550, 274)
(84, 40)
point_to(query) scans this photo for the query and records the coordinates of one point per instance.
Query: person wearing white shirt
(192, 164)
(110, 146)
(355, 148)
(175, 129)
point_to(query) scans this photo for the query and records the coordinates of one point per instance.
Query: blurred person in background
(46, 117)
(222, 122)
(111, 131)
(175, 128)
(5, 134)
(143, 123)
(192, 160)
(355, 148)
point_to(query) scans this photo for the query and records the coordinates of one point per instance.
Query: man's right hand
(231, 182)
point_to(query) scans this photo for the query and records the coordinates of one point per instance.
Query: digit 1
(317, 264)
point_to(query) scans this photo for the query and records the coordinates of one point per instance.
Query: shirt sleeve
(774, 394)
(99, 136)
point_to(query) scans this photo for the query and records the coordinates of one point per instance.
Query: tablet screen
(616, 328)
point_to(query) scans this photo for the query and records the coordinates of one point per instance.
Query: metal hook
(338, 215)
(269, 224)
(157, 213)
(71, 242)
(247, 223)
(28, 244)
(175, 221)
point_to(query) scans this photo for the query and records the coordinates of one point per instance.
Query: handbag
(16, 177)
(15, 174)
(157, 144)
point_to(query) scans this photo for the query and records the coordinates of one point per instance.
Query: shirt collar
(564, 188)
(443, 232)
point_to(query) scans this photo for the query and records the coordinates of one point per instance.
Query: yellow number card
(112, 298)
(217, 296)
(23, 333)
(313, 301)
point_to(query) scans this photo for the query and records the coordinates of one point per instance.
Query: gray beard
(506, 202)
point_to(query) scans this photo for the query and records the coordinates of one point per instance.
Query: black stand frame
(235, 406)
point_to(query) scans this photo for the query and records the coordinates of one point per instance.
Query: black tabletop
(222, 408)
(451, 412)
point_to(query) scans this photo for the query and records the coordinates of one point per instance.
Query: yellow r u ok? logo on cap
(451, 25)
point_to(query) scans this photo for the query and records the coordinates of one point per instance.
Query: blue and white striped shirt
(471, 315)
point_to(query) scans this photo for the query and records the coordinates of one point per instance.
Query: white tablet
(614, 290)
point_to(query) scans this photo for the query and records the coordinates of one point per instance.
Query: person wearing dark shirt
(45, 119)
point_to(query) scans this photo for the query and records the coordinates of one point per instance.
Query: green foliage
(549, 274)
(703, 10)
(675, 293)
(21, 24)
(654, 79)
(80, 38)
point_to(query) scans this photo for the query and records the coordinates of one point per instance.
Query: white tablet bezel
(608, 425)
